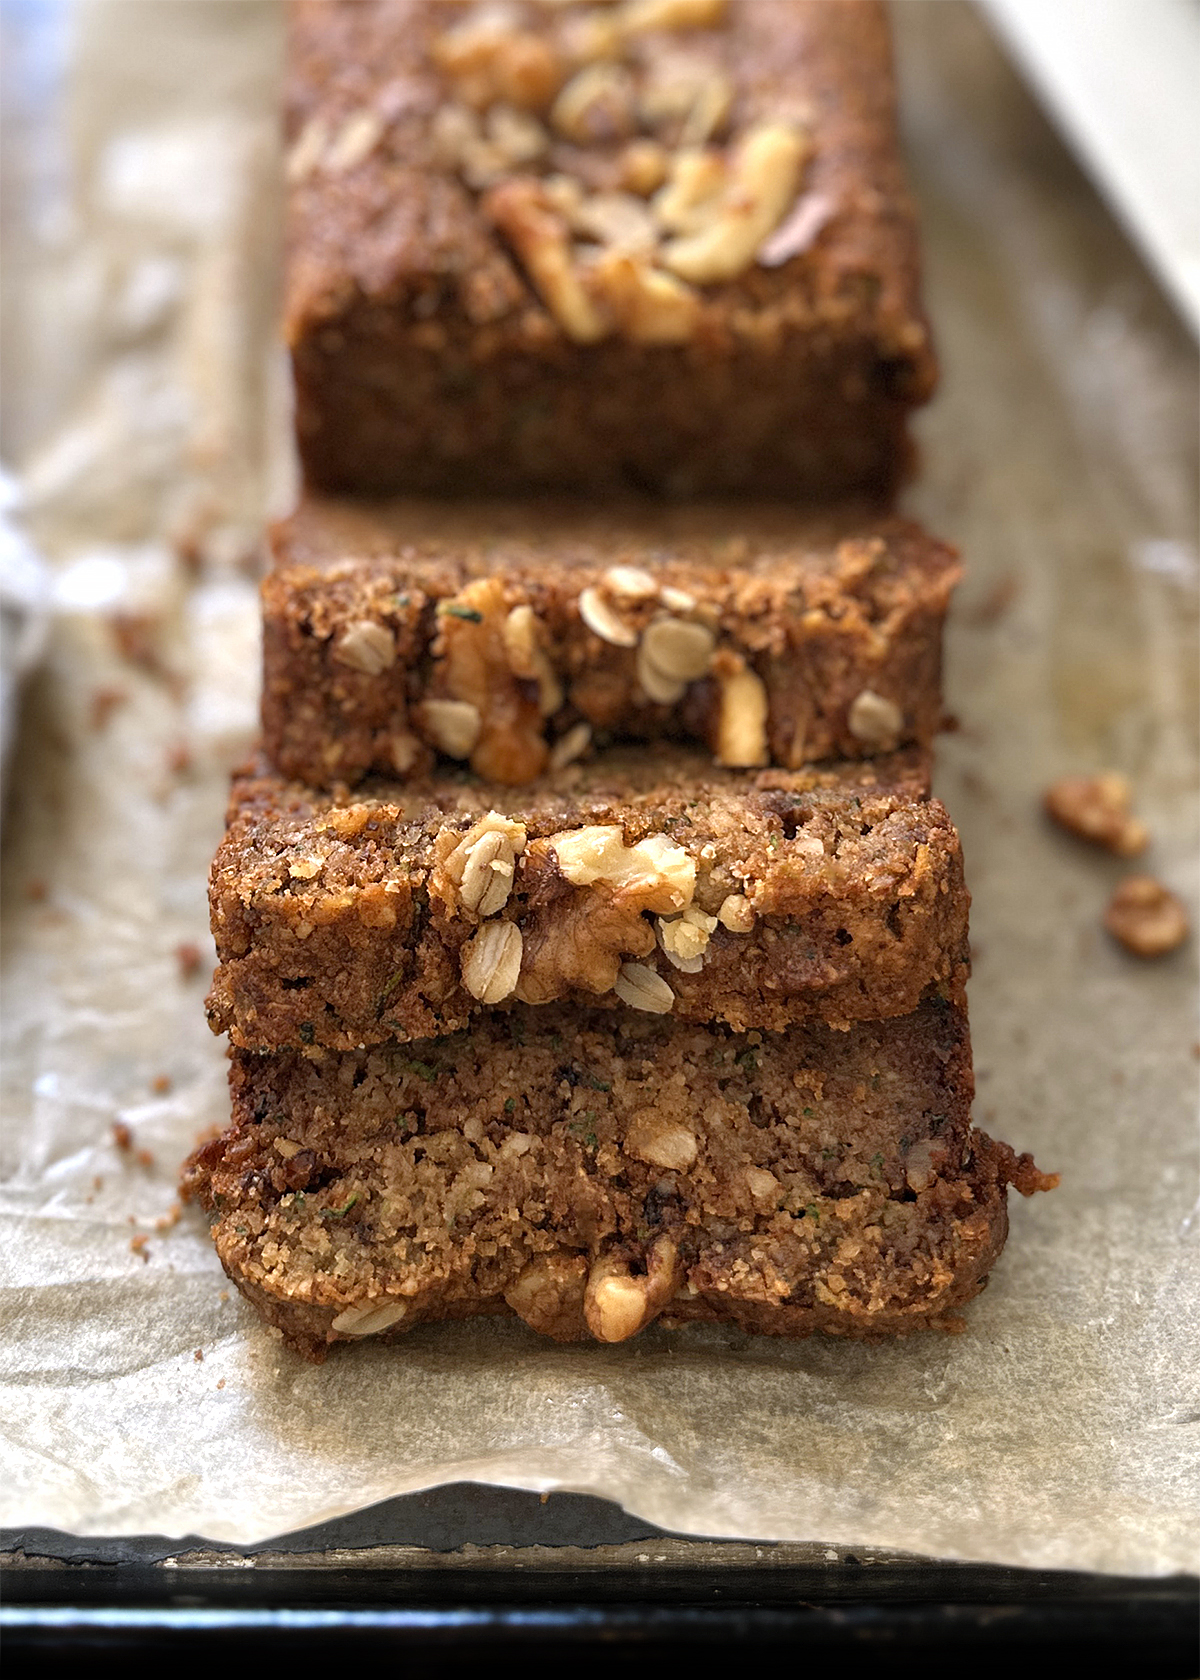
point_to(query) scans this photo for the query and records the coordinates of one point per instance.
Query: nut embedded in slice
(452, 725)
(370, 1319)
(367, 647)
(522, 211)
(737, 914)
(742, 720)
(1146, 917)
(618, 1303)
(660, 1143)
(875, 721)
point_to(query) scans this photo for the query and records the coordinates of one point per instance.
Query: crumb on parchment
(1146, 917)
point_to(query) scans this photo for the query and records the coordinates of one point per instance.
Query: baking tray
(462, 1567)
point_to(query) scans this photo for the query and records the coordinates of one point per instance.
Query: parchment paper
(1061, 1428)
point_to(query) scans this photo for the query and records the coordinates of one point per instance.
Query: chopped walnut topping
(654, 874)
(548, 1294)
(619, 1303)
(764, 176)
(660, 1143)
(649, 306)
(642, 167)
(694, 187)
(873, 720)
(452, 725)
(685, 938)
(742, 720)
(523, 212)
(370, 1319)
(570, 746)
(307, 150)
(602, 621)
(596, 106)
(737, 914)
(473, 665)
(1097, 808)
(366, 647)
(618, 221)
(510, 139)
(641, 988)
(579, 944)
(491, 961)
(489, 59)
(1146, 917)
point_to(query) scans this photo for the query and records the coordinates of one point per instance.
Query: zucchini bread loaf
(659, 245)
(645, 876)
(514, 637)
(593, 1171)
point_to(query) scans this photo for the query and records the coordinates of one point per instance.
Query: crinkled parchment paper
(1061, 1428)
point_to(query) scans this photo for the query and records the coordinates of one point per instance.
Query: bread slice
(645, 877)
(592, 1170)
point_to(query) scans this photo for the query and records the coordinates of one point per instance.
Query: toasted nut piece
(512, 138)
(491, 961)
(354, 142)
(737, 914)
(570, 746)
(650, 307)
(596, 106)
(692, 195)
(548, 1295)
(873, 720)
(654, 873)
(452, 725)
(286, 1148)
(489, 60)
(528, 659)
(1097, 808)
(685, 938)
(369, 1319)
(1146, 917)
(742, 720)
(617, 1304)
(764, 176)
(487, 877)
(660, 1143)
(639, 17)
(602, 621)
(641, 988)
(523, 212)
(631, 581)
(642, 167)
(579, 944)
(678, 649)
(710, 108)
(366, 647)
(763, 1185)
(618, 220)
(590, 35)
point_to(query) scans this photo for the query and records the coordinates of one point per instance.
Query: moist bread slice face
(596, 250)
(592, 1171)
(399, 633)
(645, 877)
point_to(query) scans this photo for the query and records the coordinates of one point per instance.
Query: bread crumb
(187, 956)
(1097, 808)
(137, 1245)
(198, 1356)
(1146, 917)
(104, 702)
(161, 1084)
(122, 1136)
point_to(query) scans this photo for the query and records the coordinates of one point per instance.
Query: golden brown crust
(759, 899)
(829, 615)
(591, 1171)
(426, 357)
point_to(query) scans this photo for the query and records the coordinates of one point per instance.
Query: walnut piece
(1146, 917)
(653, 875)
(548, 1295)
(489, 59)
(640, 17)
(596, 106)
(1097, 808)
(763, 179)
(873, 720)
(369, 1319)
(742, 720)
(737, 914)
(367, 647)
(528, 658)
(659, 1142)
(522, 210)
(579, 943)
(473, 664)
(491, 961)
(452, 725)
(685, 938)
(618, 1303)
